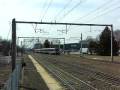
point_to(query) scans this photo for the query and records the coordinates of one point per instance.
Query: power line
(44, 5)
(47, 8)
(100, 7)
(9, 30)
(66, 5)
(80, 2)
(89, 13)
(93, 11)
(34, 27)
(113, 9)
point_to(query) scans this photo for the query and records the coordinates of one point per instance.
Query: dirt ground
(5, 70)
(32, 80)
(101, 62)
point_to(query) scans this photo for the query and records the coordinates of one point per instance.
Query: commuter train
(54, 51)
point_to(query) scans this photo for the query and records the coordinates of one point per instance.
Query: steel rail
(101, 77)
(72, 79)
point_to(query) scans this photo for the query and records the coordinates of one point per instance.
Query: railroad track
(110, 79)
(69, 81)
(93, 78)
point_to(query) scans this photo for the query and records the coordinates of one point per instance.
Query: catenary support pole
(13, 57)
(81, 46)
(112, 43)
(17, 49)
(64, 46)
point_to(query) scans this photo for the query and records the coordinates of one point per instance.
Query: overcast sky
(76, 11)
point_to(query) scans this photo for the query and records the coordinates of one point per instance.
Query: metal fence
(14, 79)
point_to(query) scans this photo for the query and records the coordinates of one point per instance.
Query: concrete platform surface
(49, 80)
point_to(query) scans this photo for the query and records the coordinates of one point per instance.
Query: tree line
(5, 47)
(46, 44)
(102, 46)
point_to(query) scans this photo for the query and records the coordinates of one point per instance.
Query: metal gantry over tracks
(14, 22)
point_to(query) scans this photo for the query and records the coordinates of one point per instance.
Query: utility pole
(59, 44)
(66, 29)
(17, 49)
(21, 48)
(13, 57)
(81, 46)
(112, 43)
(64, 46)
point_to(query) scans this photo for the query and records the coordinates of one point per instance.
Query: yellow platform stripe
(49, 80)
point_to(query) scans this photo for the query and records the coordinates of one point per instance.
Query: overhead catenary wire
(107, 12)
(43, 6)
(104, 8)
(9, 30)
(49, 4)
(63, 9)
(74, 7)
(95, 10)
(101, 9)
(60, 12)
(34, 27)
